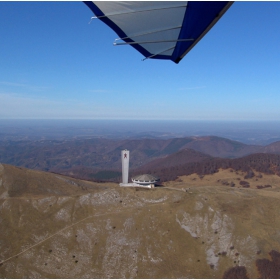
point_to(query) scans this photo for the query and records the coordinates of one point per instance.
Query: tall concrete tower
(125, 166)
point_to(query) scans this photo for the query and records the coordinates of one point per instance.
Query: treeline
(265, 163)
(261, 162)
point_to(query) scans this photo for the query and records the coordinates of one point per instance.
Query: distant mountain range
(99, 158)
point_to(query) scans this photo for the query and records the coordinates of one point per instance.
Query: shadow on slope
(106, 231)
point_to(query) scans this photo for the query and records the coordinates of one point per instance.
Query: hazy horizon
(250, 132)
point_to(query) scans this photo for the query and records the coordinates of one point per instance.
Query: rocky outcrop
(60, 230)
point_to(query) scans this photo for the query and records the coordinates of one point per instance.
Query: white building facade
(144, 181)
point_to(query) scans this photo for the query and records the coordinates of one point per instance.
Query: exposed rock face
(57, 227)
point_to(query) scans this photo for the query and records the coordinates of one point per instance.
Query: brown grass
(227, 177)
(189, 230)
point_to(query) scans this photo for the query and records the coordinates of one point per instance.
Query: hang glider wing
(159, 30)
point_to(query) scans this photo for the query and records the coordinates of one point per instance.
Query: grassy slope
(105, 231)
(224, 178)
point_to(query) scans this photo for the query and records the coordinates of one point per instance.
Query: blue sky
(54, 65)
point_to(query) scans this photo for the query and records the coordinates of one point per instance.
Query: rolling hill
(58, 227)
(181, 157)
(99, 158)
(261, 162)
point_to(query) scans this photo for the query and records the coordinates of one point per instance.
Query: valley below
(98, 159)
(53, 226)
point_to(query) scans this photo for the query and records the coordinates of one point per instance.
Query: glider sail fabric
(159, 30)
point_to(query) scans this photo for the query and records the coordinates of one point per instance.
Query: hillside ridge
(53, 228)
(260, 162)
(99, 158)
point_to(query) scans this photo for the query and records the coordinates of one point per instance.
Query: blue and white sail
(159, 30)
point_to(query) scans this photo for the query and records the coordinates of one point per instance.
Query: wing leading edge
(159, 30)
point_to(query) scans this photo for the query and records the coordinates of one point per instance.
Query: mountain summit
(58, 227)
